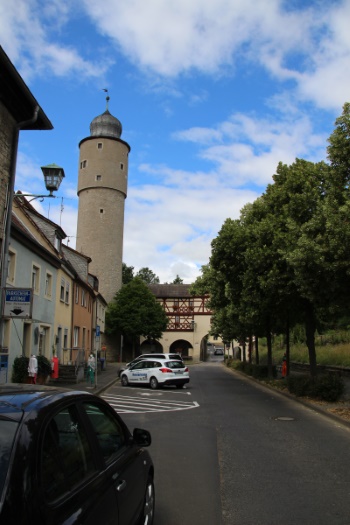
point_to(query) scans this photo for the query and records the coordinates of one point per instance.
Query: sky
(211, 94)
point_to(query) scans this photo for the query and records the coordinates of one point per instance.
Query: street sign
(97, 330)
(18, 303)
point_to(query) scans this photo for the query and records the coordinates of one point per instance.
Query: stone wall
(7, 126)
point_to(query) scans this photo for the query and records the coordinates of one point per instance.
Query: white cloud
(29, 29)
(29, 177)
(246, 149)
(175, 36)
(308, 46)
(169, 227)
(171, 221)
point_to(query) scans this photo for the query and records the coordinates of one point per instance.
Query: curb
(100, 390)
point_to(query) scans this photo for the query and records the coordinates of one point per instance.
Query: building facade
(19, 110)
(65, 302)
(188, 322)
(32, 266)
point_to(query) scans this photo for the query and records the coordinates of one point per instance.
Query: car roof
(161, 359)
(25, 398)
(156, 354)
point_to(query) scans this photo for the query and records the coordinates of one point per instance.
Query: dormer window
(58, 243)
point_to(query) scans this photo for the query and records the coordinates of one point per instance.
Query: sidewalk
(104, 380)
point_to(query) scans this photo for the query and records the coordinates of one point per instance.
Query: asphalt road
(230, 452)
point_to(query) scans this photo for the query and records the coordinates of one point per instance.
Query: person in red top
(284, 366)
(54, 367)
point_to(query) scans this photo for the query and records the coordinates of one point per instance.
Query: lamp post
(193, 324)
(53, 176)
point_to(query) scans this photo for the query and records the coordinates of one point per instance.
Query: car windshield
(174, 364)
(8, 430)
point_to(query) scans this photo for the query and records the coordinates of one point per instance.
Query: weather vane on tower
(107, 97)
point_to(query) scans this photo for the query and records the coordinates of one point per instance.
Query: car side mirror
(142, 437)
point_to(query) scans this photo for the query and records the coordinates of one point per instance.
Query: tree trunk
(133, 347)
(288, 347)
(269, 353)
(250, 349)
(310, 329)
(257, 359)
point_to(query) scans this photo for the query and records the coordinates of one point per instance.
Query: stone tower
(102, 190)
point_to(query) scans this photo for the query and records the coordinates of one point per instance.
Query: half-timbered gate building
(188, 321)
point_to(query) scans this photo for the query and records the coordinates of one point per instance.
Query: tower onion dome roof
(106, 125)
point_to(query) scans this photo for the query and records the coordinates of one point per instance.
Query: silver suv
(174, 357)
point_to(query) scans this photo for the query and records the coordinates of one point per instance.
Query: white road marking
(132, 404)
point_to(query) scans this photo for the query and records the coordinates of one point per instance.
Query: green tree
(296, 198)
(148, 276)
(135, 312)
(203, 283)
(287, 258)
(339, 151)
(127, 273)
(177, 280)
(264, 280)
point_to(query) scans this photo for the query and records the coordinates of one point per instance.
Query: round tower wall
(103, 162)
(100, 236)
(102, 189)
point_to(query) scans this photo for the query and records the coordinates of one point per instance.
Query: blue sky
(212, 94)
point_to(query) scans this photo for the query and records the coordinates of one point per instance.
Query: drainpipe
(8, 216)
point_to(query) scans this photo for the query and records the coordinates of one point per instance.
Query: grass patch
(331, 355)
(326, 387)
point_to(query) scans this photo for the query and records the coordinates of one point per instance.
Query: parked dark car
(66, 457)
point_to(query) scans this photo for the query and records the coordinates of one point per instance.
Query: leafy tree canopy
(148, 276)
(135, 312)
(127, 273)
(339, 148)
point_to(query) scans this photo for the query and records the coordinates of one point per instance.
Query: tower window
(121, 166)
(83, 164)
(98, 177)
(99, 145)
(101, 210)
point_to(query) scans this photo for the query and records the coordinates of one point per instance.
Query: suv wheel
(124, 381)
(153, 383)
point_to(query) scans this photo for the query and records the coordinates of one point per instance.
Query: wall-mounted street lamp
(53, 176)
